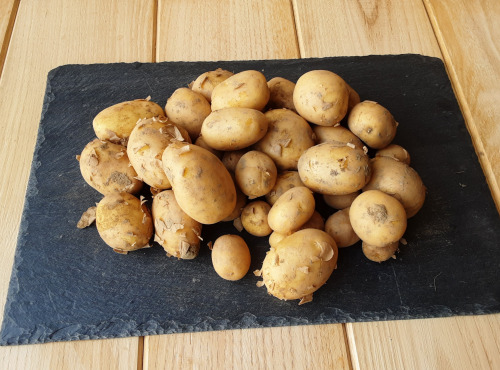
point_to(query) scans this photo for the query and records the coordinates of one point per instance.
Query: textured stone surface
(67, 284)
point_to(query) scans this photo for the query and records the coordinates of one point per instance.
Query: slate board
(67, 284)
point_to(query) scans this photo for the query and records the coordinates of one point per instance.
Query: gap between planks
(8, 34)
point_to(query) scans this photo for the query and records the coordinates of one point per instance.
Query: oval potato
(231, 257)
(281, 93)
(255, 174)
(206, 82)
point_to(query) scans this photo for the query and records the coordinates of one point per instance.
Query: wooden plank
(8, 10)
(47, 34)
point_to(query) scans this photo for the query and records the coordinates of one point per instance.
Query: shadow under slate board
(67, 284)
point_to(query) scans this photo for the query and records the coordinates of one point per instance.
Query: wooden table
(40, 35)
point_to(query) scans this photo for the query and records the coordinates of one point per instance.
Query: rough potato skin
(254, 218)
(206, 82)
(281, 93)
(338, 226)
(231, 257)
(396, 152)
(255, 174)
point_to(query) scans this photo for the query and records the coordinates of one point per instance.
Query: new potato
(281, 93)
(207, 81)
(254, 218)
(285, 181)
(231, 257)
(255, 174)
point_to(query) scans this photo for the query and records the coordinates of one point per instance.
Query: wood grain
(47, 34)
(8, 10)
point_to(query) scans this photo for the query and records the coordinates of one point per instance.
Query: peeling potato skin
(206, 82)
(123, 222)
(105, 167)
(175, 231)
(285, 181)
(395, 152)
(231, 257)
(379, 254)
(336, 134)
(255, 174)
(281, 93)
(254, 218)
(338, 226)
(299, 264)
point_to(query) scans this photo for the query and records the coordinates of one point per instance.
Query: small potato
(315, 222)
(336, 134)
(353, 98)
(241, 201)
(276, 237)
(321, 97)
(287, 138)
(330, 169)
(395, 152)
(123, 222)
(247, 89)
(207, 81)
(292, 210)
(254, 218)
(230, 159)
(373, 124)
(379, 254)
(200, 141)
(255, 174)
(285, 181)
(230, 257)
(106, 167)
(234, 128)
(115, 123)
(340, 201)
(338, 226)
(281, 93)
(188, 109)
(377, 218)
(175, 231)
(299, 265)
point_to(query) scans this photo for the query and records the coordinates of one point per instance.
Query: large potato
(206, 82)
(234, 128)
(285, 181)
(330, 169)
(202, 185)
(255, 174)
(321, 97)
(115, 123)
(336, 134)
(175, 231)
(247, 89)
(281, 93)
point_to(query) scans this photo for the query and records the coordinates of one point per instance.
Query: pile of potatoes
(238, 148)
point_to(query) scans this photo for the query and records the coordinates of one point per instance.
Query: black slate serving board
(67, 284)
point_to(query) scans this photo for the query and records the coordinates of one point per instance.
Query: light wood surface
(53, 32)
(8, 10)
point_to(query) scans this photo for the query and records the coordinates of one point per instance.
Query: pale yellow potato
(321, 97)
(373, 124)
(330, 169)
(287, 138)
(281, 93)
(285, 181)
(200, 141)
(338, 226)
(255, 174)
(231, 257)
(340, 201)
(188, 109)
(247, 89)
(241, 201)
(336, 134)
(234, 128)
(206, 82)
(231, 158)
(175, 231)
(353, 98)
(115, 123)
(315, 222)
(396, 152)
(202, 185)
(379, 254)
(148, 140)
(399, 180)
(254, 218)
(106, 167)
(299, 265)
(276, 237)
(292, 210)
(124, 222)
(377, 218)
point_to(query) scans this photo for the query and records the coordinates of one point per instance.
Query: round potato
(231, 257)
(330, 169)
(247, 89)
(231, 158)
(338, 226)
(255, 174)
(377, 218)
(234, 128)
(281, 93)
(379, 254)
(254, 218)
(336, 134)
(287, 138)
(200, 141)
(321, 97)
(207, 81)
(175, 231)
(106, 167)
(123, 222)
(285, 181)
(373, 124)
(395, 152)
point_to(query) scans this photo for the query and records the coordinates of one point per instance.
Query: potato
(281, 93)
(230, 159)
(299, 265)
(231, 257)
(395, 152)
(206, 82)
(353, 98)
(241, 201)
(202, 185)
(106, 167)
(175, 231)
(285, 181)
(340, 201)
(379, 254)
(399, 180)
(123, 222)
(373, 124)
(247, 89)
(255, 174)
(336, 134)
(254, 218)
(115, 123)
(200, 141)
(338, 226)
(292, 210)
(276, 237)
(287, 138)
(321, 97)
(148, 140)
(377, 218)
(315, 222)
(330, 169)
(234, 128)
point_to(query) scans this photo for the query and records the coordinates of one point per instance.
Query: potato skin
(254, 218)
(200, 141)
(379, 254)
(255, 174)
(241, 201)
(285, 181)
(336, 134)
(299, 264)
(395, 152)
(105, 167)
(340, 201)
(175, 231)
(353, 98)
(338, 226)
(281, 93)
(202, 185)
(206, 82)
(116, 122)
(231, 257)
(231, 158)
(123, 222)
